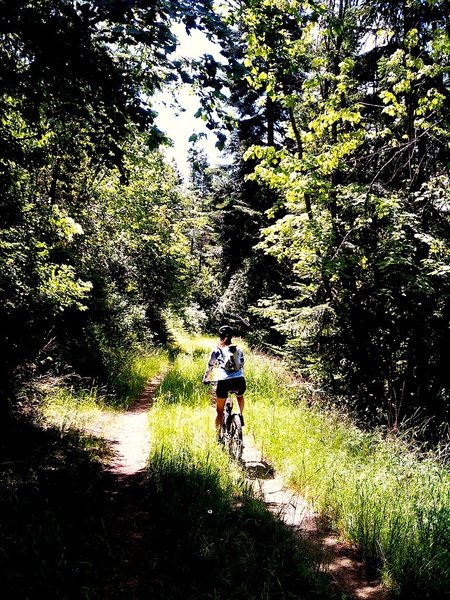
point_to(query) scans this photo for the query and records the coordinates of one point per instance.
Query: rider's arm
(211, 362)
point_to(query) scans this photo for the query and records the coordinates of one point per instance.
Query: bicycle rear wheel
(224, 430)
(236, 444)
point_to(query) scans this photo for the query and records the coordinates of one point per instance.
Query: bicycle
(230, 432)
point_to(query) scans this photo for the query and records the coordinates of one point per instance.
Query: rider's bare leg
(241, 403)
(220, 405)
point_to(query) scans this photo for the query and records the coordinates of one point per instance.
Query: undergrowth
(392, 501)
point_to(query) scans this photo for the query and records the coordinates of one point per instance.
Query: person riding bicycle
(230, 378)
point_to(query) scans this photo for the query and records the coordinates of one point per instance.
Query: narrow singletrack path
(129, 435)
(339, 558)
(132, 435)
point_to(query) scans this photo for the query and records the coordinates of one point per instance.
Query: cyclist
(228, 379)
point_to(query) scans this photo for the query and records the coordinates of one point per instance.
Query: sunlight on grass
(182, 419)
(196, 346)
(68, 408)
(143, 368)
(392, 502)
(193, 345)
(203, 521)
(208, 506)
(183, 342)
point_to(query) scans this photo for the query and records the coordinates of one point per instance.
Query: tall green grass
(218, 540)
(69, 408)
(132, 380)
(391, 501)
(182, 422)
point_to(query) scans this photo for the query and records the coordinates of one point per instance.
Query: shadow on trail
(71, 529)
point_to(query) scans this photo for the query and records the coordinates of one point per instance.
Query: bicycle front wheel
(236, 444)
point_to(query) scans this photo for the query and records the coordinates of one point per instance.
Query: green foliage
(136, 252)
(362, 172)
(99, 284)
(92, 244)
(232, 272)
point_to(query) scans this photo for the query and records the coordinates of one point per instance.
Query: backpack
(230, 357)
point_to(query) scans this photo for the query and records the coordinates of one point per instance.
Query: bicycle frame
(230, 433)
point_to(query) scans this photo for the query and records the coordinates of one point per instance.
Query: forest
(324, 239)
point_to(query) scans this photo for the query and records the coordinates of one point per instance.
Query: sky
(179, 126)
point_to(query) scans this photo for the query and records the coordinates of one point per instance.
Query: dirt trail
(340, 559)
(129, 435)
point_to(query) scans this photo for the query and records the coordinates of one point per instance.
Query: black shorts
(236, 385)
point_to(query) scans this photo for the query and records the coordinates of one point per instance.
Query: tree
(136, 252)
(77, 78)
(363, 178)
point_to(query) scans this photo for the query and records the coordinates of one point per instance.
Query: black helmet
(226, 331)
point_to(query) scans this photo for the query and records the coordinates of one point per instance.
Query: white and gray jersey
(217, 359)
